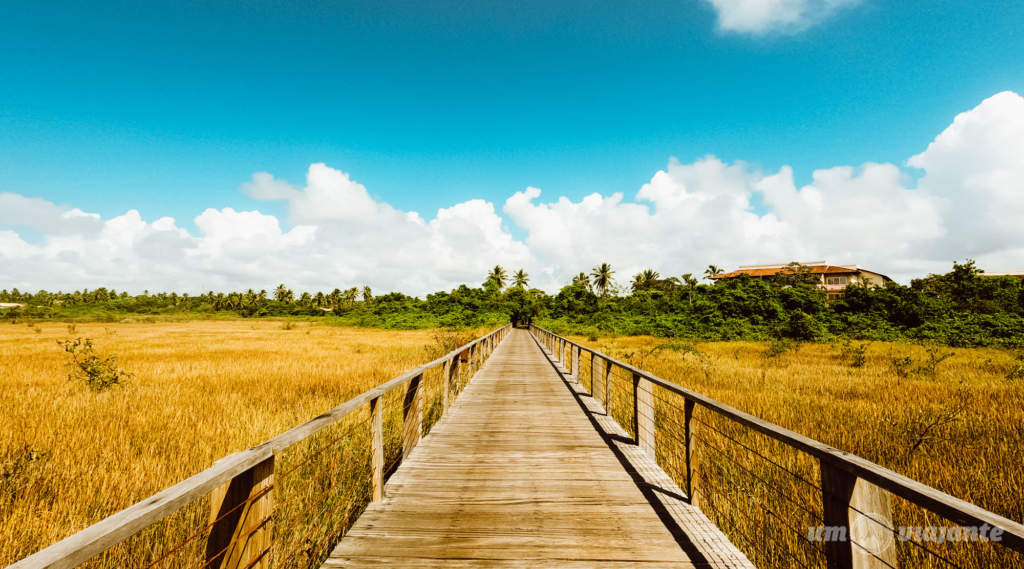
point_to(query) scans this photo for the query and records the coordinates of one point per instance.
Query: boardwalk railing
(784, 499)
(288, 501)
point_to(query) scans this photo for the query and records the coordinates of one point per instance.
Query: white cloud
(774, 16)
(967, 202)
(339, 237)
(39, 214)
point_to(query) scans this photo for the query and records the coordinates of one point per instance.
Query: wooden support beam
(377, 446)
(854, 513)
(607, 386)
(412, 416)
(240, 514)
(576, 365)
(689, 435)
(643, 414)
(451, 370)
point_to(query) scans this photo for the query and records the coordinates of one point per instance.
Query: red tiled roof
(771, 271)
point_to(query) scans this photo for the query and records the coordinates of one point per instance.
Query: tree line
(960, 308)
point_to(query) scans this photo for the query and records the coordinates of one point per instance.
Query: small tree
(283, 294)
(691, 284)
(582, 280)
(97, 371)
(523, 305)
(646, 280)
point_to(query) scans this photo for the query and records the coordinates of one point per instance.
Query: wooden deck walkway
(525, 470)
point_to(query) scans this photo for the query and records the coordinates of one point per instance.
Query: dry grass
(955, 423)
(198, 391)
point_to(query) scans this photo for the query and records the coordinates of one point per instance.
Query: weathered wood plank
(516, 475)
(241, 532)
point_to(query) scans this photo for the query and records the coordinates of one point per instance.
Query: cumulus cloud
(774, 16)
(968, 204)
(968, 201)
(338, 236)
(39, 214)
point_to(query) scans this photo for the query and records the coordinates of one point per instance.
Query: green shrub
(779, 347)
(854, 354)
(902, 365)
(1017, 372)
(97, 371)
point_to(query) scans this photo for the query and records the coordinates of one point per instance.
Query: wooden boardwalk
(525, 470)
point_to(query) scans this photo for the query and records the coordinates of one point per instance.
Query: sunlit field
(951, 418)
(198, 390)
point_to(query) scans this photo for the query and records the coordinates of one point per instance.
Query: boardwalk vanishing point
(518, 475)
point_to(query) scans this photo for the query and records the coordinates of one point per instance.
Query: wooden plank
(708, 546)
(862, 512)
(240, 511)
(412, 416)
(643, 414)
(690, 444)
(515, 474)
(377, 447)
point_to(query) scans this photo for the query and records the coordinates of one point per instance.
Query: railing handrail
(927, 497)
(83, 545)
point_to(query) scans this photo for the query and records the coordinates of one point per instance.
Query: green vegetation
(99, 372)
(961, 308)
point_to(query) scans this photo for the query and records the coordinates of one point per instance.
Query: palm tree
(602, 278)
(581, 280)
(646, 279)
(520, 279)
(367, 294)
(691, 284)
(283, 294)
(498, 276)
(712, 271)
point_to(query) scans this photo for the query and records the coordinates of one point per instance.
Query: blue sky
(166, 108)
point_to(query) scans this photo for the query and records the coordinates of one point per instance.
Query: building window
(834, 296)
(835, 280)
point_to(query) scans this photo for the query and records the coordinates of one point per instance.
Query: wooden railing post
(451, 369)
(464, 365)
(240, 515)
(854, 511)
(643, 414)
(689, 435)
(568, 360)
(377, 446)
(412, 416)
(576, 364)
(607, 387)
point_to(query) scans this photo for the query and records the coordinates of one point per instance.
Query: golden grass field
(958, 427)
(200, 390)
(203, 389)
